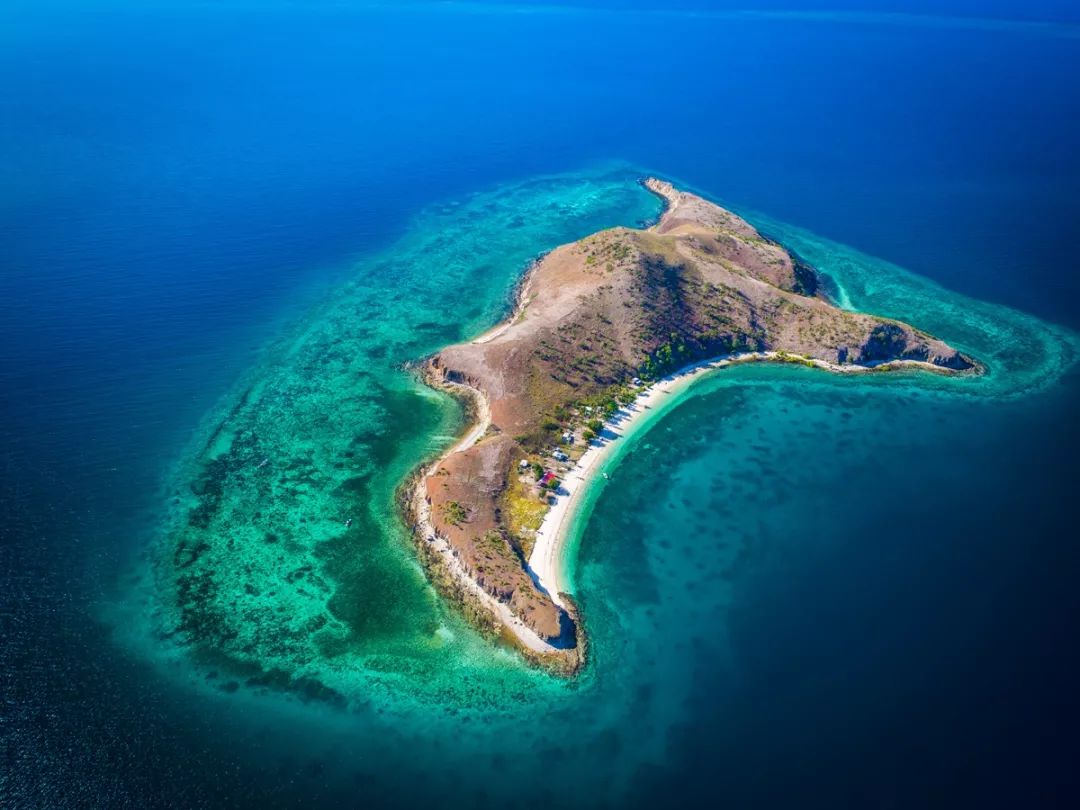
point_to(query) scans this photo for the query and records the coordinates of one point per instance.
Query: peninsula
(602, 327)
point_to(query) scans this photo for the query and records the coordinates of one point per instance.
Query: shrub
(454, 512)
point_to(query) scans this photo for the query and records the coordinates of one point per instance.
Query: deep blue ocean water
(179, 185)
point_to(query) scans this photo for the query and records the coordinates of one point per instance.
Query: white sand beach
(547, 561)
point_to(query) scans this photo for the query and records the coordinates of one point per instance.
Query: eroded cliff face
(615, 306)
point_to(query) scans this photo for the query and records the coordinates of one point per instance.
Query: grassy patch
(455, 513)
(523, 512)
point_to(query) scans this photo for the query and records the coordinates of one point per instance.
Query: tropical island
(602, 328)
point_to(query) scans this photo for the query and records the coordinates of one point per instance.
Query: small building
(548, 479)
(568, 437)
(523, 464)
(559, 455)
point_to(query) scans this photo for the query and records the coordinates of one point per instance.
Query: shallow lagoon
(880, 612)
(744, 486)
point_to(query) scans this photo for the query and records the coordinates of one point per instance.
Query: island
(601, 328)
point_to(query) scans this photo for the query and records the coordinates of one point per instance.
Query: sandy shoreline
(522, 292)
(422, 515)
(547, 563)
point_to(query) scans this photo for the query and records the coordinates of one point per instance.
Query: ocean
(799, 590)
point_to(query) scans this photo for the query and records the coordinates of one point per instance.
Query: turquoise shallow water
(257, 570)
(783, 543)
(876, 604)
(265, 600)
(1022, 355)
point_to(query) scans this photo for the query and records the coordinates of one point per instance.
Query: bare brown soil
(597, 314)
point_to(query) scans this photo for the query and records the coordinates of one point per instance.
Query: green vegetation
(491, 543)
(669, 356)
(454, 513)
(609, 400)
(799, 360)
(523, 512)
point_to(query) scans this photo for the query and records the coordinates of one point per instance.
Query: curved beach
(548, 562)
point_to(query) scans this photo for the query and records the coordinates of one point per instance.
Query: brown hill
(594, 316)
